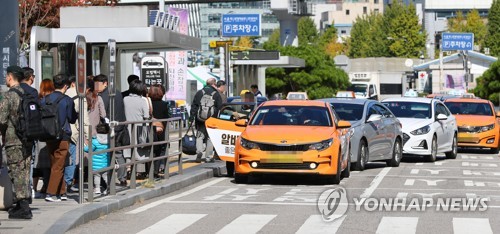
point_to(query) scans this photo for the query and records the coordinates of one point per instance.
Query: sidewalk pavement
(59, 217)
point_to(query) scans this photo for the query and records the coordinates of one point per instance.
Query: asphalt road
(288, 204)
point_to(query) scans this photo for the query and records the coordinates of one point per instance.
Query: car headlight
(487, 128)
(421, 131)
(248, 144)
(320, 146)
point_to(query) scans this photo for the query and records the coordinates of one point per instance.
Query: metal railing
(134, 147)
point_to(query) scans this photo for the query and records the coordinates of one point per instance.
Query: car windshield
(469, 108)
(235, 112)
(292, 115)
(416, 110)
(358, 88)
(348, 111)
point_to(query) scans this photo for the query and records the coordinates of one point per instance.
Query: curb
(97, 209)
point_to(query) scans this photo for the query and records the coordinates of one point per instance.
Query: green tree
(476, 25)
(307, 31)
(273, 43)
(368, 38)
(488, 85)
(243, 43)
(457, 24)
(493, 35)
(319, 78)
(406, 34)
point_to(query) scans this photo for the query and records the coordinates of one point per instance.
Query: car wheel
(362, 156)
(347, 171)
(454, 149)
(397, 154)
(335, 179)
(230, 168)
(240, 179)
(432, 156)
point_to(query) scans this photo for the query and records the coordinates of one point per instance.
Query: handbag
(189, 141)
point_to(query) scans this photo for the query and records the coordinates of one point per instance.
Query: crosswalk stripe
(471, 225)
(247, 223)
(173, 223)
(316, 224)
(398, 225)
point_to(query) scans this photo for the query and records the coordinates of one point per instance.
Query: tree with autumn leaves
(46, 13)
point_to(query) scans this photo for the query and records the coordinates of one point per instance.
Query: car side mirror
(498, 114)
(343, 124)
(442, 117)
(241, 123)
(374, 117)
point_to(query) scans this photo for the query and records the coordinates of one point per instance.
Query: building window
(347, 12)
(375, 10)
(375, 1)
(365, 10)
(343, 31)
(214, 18)
(213, 32)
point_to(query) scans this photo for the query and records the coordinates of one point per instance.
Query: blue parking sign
(236, 25)
(457, 41)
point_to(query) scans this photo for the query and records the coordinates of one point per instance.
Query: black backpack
(50, 120)
(29, 125)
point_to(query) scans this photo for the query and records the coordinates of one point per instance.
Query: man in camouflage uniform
(18, 152)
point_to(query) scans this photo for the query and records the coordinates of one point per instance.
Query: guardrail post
(180, 148)
(90, 173)
(133, 151)
(112, 177)
(151, 151)
(166, 173)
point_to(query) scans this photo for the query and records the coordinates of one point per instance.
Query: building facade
(346, 13)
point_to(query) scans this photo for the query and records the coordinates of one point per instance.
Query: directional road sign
(457, 41)
(236, 25)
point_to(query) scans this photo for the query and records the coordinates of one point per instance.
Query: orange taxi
(293, 136)
(477, 122)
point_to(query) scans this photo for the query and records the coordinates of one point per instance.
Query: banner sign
(177, 61)
(81, 65)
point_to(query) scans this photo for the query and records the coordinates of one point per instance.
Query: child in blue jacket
(99, 161)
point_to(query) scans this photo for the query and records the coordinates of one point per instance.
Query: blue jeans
(69, 171)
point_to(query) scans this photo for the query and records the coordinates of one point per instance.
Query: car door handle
(212, 126)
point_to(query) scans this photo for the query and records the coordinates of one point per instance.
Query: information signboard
(236, 25)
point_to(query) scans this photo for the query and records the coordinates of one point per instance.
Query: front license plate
(282, 157)
(467, 137)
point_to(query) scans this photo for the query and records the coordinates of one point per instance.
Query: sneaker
(97, 191)
(198, 157)
(51, 198)
(64, 197)
(39, 195)
(73, 188)
(123, 183)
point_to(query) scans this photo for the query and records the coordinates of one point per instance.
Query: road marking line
(419, 164)
(173, 224)
(397, 225)
(315, 224)
(247, 223)
(471, 226)
(401, 195)
(275, 203)
(159, 202)
(375, 183)
(409, 182)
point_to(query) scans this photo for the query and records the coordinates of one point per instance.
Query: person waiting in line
(137, 109)
(160, 111)
(59, 149)
(130, 78)
(100, 160)
(122, 137)
(42, 158)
